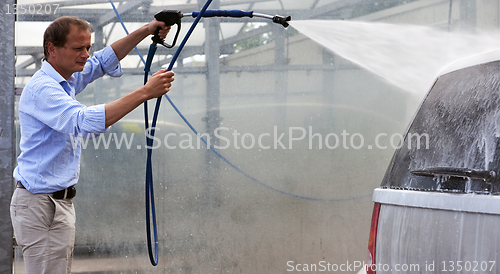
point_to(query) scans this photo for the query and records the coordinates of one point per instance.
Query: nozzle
(282, 20)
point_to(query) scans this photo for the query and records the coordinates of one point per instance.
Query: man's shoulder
(40, 80)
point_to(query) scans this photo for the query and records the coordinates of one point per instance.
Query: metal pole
(99, 96)
(7, 135)
(468, 15)
(212, 53)
(328, 84)
(280, 75)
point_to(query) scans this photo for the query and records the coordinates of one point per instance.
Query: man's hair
(58, 31)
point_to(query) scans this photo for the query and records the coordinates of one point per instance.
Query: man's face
(73, 55)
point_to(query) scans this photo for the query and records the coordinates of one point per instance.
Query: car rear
(438, 207)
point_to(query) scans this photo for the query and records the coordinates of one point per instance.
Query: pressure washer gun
(173, 17)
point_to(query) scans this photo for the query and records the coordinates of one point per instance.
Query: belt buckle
(67, 193)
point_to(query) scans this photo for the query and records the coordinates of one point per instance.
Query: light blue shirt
(51, 119)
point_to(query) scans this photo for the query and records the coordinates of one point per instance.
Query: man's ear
(51, 48)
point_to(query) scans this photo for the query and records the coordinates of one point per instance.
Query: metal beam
(7, 138)
(247, 35)
(194, 7)
(223, 69)
(145, 15)
(70, 3)
(327, 10)
(34, 59)
(122, 9)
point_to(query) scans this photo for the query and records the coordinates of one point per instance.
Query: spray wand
(173, 17)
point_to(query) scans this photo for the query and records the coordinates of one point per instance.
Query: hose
(150, 205)
(149, 141)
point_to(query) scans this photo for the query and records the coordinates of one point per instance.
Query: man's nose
(86, 53)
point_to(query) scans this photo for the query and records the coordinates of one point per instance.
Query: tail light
(372, 242)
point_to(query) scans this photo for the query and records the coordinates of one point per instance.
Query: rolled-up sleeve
(103, 62)
(92, 120)
(109, 62)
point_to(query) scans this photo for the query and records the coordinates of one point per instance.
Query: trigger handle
(156, 37)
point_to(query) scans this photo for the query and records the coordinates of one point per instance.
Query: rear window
(452, 143)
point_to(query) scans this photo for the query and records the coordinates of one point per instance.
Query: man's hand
(153, 25)
(123, 46)
(159, 83)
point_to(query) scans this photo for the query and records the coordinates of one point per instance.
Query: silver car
(438, 207)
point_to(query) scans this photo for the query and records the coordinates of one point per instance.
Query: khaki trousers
(45, 229)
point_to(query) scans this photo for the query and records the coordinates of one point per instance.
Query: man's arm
(123, 46)
(158, 85)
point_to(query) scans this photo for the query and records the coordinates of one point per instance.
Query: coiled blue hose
(149, 141)
(150, 205)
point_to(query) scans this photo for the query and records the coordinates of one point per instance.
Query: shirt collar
(66, 84)
(50, 71)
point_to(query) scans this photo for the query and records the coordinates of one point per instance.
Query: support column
(99, 96)
(212, 119)
(7, 135)
(468, 15)
(328, 84)
(280, 75)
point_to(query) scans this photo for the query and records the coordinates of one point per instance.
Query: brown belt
(67, 193)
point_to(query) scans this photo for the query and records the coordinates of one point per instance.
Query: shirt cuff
(95, 120)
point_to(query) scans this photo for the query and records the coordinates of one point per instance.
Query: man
(42, 209)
